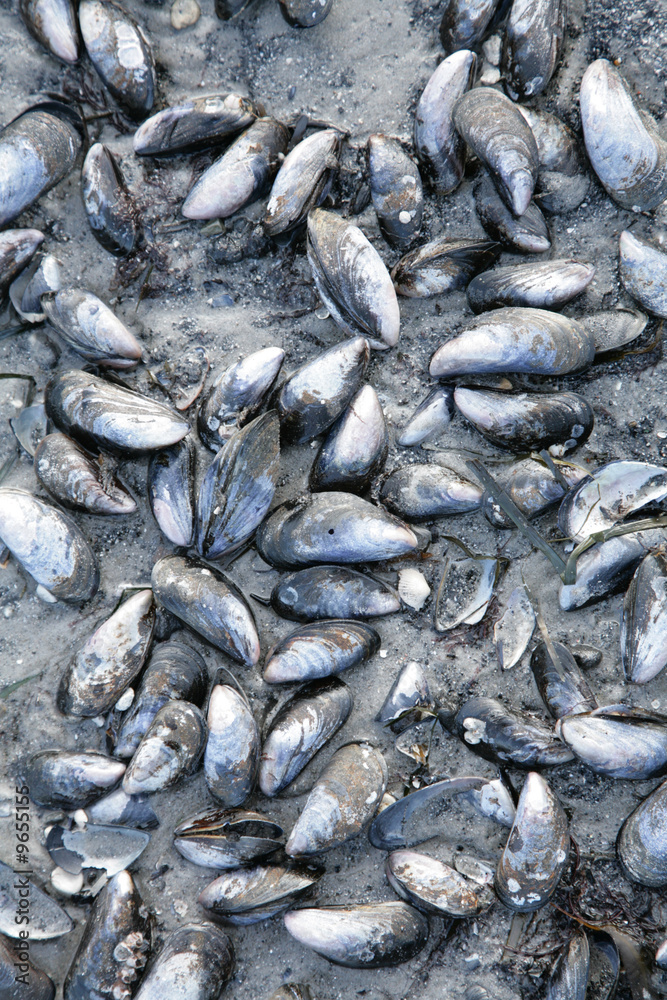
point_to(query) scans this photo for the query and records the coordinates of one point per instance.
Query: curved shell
(610, 494)
(49, 546)
(396, 190)
(622, 141)
(531, 486)
(111, 212)
(200, 954)
(569, 977)
(236, 395)
(430, 418)
(533, 41)
(618, 741)
(352, 280)
(170, 749)
(226, 838)
(171, 491)
(320, 649)
(431, 886)
(89, 326)
(643, 645)
(54, 25)
(514, 629)
(465, 588)
(443, 265)
(302, 181)
(231, 758)
(120, 53)
(77, 480)
(48, 920)
(42, 986)
(332, 592)
(607, 568)
(464, 23)
(422, 491)
(409, 691)
(68, 779)
(355, 448)
(539, 286)
(194, 124)
(642, 840)
(17, 248)
(526, 234)
(643, 270)
(440, 150)
(249, 895)
(562, 687)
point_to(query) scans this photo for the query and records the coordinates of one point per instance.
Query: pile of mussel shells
(349, 550)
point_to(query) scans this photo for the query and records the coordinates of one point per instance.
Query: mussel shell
(54, 25)
(200, 955)
(643, 646)
(410, 690)
(14, 988)
(320, 649)
(120, 53)
(226, 838)
(209, 603)
(526, 234)
(115, 945)
(540, 286)
(642, 840)
(231, 758)
(562, 687)
(47, 919)
(305, 13)
(355, 448)
(465, 589)
(612, 329)
(77, 480)
(69, 779)
(503, 736)
(562, 183)
(531, 486)
(171, 491)
(249, 895)
(643, 270)
(49, 546)
(30, 427)
(514, 339)
(342, 802)
(618, 741)
(99, 413)
(302, 726)
(422, 491)
(512, 632)
(332, 527)
(430, 418)
(443, 265)
(608, 495)
(42, 275)
(369, 936)
(238, 488)
(183, 378)
(311, 398)
(396, 190)
(110, 211)
(120, 809)
(37, 149)
(465, 22)
(236, 395)
(194, 125)
(528, 421)
(431, 886)
(175, 671)
(107, 849)
(86, 324)
(569, 977)
(292, 991)
(607, 568)
(110, 659)
(17, 248)
(537, 850)
(332, 592)
(440, 149)
(352, 279)
(302, 181)
(533, 40)
(499, 135)
(241, 174)
(171, 749)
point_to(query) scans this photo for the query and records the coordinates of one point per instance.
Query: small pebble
(66, 883)
(125, 700)
(184, 13)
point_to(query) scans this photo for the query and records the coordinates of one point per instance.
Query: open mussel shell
(430, 418)
(299, 730)
(569, 977)
(396, 190)
(208, 603)
(171, 491)
(17, 248)
(332, 527)
(642, 840)
(608, 495)
(499, 135)
(618, 741)
(110, 210)
(249, 895)
(49, 546)
(515, 339)
(352, 280)
(302, 181)
(292, 991)
(37, 149)
(200, 955)
(533, 41)
(443, 265)
(332, 592)
(320, 649)
(643, 647)
(465, 588)
(563, 688)
(69, 779)
(227, 838)
(48, 920)
(171, 749)
(526, 234)
(607, 568)
(612, 329)
(231, 758)
(194, 124)
(120, 53)
(422, 491)
(79, 481)
(539, 286)
(175, 671)
(440, 149)
(110, 659)
(503, 736)
(524, 422)
(604, 966)
(432, 886)
(236, 395)
(241, 174)
(355, 448)
(115, 945)
(643, 271)
(41, 276)
(342, 802)
(623, 143)
(183, 378)
(409, 691)
(369, 936)
(465, 22)
(104, 848)
(54, 25)
(120, 809)
(87, 325)
(532, 487)
(14, 976)
(305, 13)
(537, 850)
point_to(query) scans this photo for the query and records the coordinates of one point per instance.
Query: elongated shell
(396, 189)
(303, 725)
(236, 395)
(98, 413)
(120, 53)
(642, 840)
(464, 23)
(68, 779)
(352, 279)
(607, 568)
(226, 838)
(516, 340)
(536, 853)
(622, 141)
(430, 418)
(356, 447)
(540, 286)
(110, 210)
(440, 149)
(78, 481)
(231, 758)
(242, 173)
(47, 919)
(41, 985)
(302, 181)
(563, 688)
(209, 604)
(320, 649)
(532, 487)
(89, 326)
(442, 265)
(421, 491)
(343, 801)
(332, 527)
(249, 895)
(53, 24)
(49, 546)
(410, 690)
(332, 592)
(17, 247)
(618, 741)
(171, 491)
(512, 632)
(368, 936)
(431, 886)
(194, 124)
(562, 183)
(200, 954)
(533, 41)
(610, 494)
(643, 645)
(643, 270)
(499, 135)
(569, 978)
(526, 234)
(171, 749)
